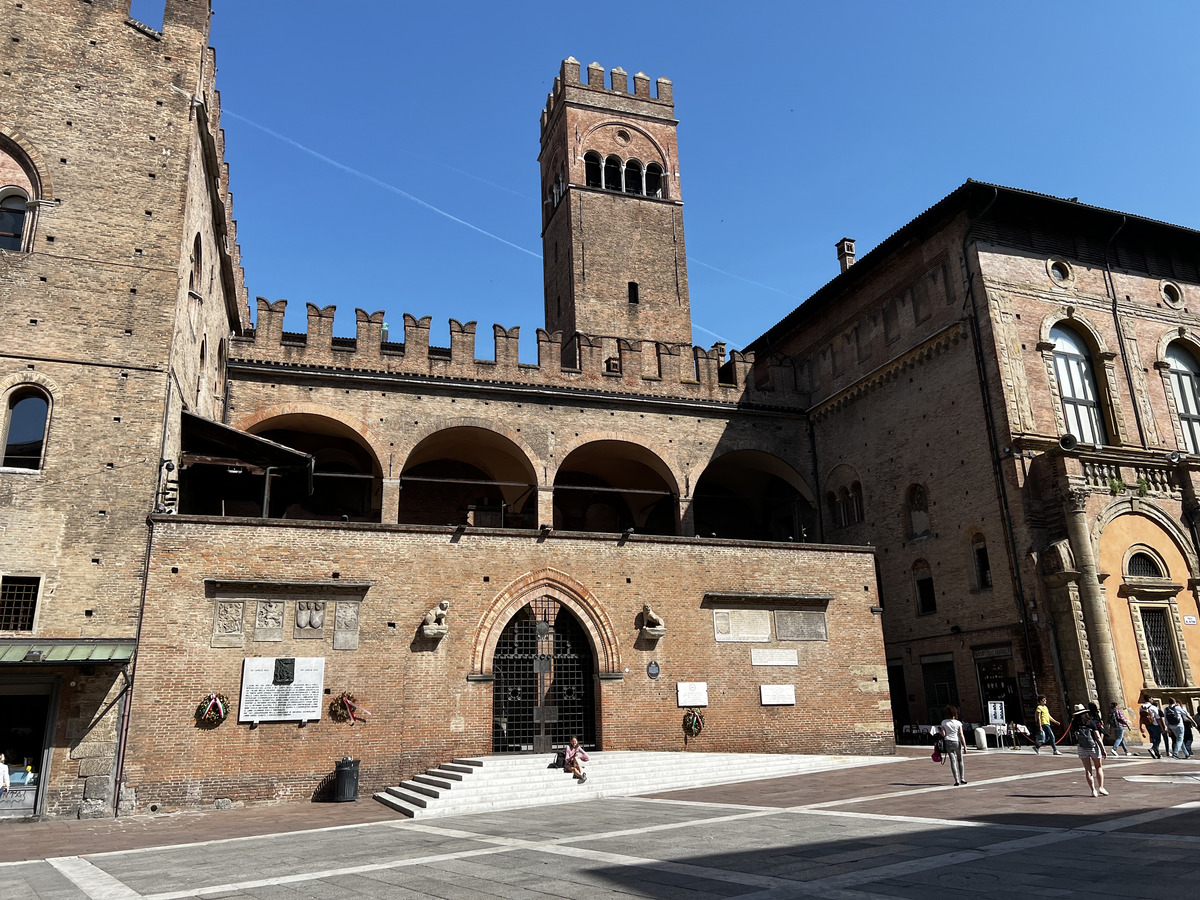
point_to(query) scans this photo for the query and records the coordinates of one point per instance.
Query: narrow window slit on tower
(633, 292)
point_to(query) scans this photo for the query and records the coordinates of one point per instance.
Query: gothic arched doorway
(544, 688)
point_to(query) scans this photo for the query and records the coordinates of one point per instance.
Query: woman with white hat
(1090, 747)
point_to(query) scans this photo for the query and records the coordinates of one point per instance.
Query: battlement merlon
(605, 363)
(617, 96)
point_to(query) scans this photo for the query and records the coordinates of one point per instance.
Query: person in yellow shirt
(1045, 734)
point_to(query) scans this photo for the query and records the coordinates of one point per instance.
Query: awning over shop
(206, 441)
(26, 651)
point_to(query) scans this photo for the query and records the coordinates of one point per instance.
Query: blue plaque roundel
(652, 670)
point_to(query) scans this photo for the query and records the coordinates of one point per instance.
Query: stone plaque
(774, 658)
(228, 627)
(742, 625)
(268, 620)
(265, 700)
(310, 619)
(345, 625)
(777, 694)
(691, 693)
(800, 625)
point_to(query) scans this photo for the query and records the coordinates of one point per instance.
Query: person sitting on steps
(576, 757)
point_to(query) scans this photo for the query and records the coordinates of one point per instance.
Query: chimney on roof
(845, 249)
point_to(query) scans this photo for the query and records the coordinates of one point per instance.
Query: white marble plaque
(265, 700)
(800, 625)
(691, 693)
(777, 694)
(742, 625)
(774, 658)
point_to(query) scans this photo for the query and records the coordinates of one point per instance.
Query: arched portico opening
(468, 475)
(347, 480)
(609, 486)
(752, 495)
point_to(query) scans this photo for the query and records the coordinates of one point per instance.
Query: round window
(1171, 293)
(623, 136)
(1060, 272)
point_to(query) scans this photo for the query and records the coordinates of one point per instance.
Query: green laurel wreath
(693, 722)
(213, 709)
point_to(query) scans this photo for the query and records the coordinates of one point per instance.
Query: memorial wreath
(693, 722)
(213, 709)
(345, 708)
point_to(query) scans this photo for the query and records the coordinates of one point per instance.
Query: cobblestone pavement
(1025, 825)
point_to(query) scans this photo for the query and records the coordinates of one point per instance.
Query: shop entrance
(544, 689)
(25, 735)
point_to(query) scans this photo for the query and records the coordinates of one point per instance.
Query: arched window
(202, 373)
(1077, 386)
(1143, 565)
(832, 502)
(195, 279)
(923, 587)
(856, 502)
(1185, 382)
(845, 515)
(12, 219)
(633, 177)
(983, 567)
(654, 181)
(591, 169)
(612, 173)
(27, 414)
(918, 512)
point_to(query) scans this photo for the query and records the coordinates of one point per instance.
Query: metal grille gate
(1158, 643)
(543, 692)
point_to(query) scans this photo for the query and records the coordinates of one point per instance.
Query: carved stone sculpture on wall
(310, 619)
(435, 626)
(268, 620)
(228, 630)
(345, 625)
(653, 625)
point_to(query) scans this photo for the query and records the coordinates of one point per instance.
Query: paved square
(1024, 825)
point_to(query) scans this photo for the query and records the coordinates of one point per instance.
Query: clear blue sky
(800, 123)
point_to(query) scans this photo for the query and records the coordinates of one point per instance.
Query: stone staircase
(486, 783)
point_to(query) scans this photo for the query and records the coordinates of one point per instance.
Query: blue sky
(800, 123)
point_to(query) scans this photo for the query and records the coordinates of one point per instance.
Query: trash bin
(346, 788)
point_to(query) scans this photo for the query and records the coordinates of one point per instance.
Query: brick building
(1003, 402)
(189, 501)
(962, 428)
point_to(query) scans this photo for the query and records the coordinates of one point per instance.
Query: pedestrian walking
(1045, 734)
(954, 740)
(1089, 745)
(1118, 722)
(1150, 724)
(1189, 726)
(1172, 716)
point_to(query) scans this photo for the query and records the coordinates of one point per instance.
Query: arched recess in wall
(347, 477)
(751, 495)
(1152, 607)
(570, 593)
(468, 475)
(611, 485)
(20, 189)
(844, 504)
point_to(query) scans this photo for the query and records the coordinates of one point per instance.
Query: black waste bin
(346, 788)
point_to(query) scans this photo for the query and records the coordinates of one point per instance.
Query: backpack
(1171, 713)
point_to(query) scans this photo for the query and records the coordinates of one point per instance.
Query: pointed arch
(566, 590)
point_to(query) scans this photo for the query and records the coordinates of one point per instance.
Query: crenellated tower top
(612, 220)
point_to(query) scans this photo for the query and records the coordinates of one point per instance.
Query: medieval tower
(612, 212)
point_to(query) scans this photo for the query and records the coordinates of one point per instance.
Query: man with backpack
(1174, 715)
(1150, 722)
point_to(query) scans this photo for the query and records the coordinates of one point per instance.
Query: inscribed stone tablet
(228, 627)
(742, 625)
(800, 625)
(777, 694)
(265, 701)
(774, 658)
(691, 693)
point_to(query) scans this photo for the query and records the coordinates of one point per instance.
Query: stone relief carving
(268, 620)
(435, 624)
(310, 619)
(228, 629)
(345, 625)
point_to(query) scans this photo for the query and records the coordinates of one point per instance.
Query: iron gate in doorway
(544, 688)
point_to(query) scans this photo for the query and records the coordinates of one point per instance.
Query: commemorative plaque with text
(282, 689)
